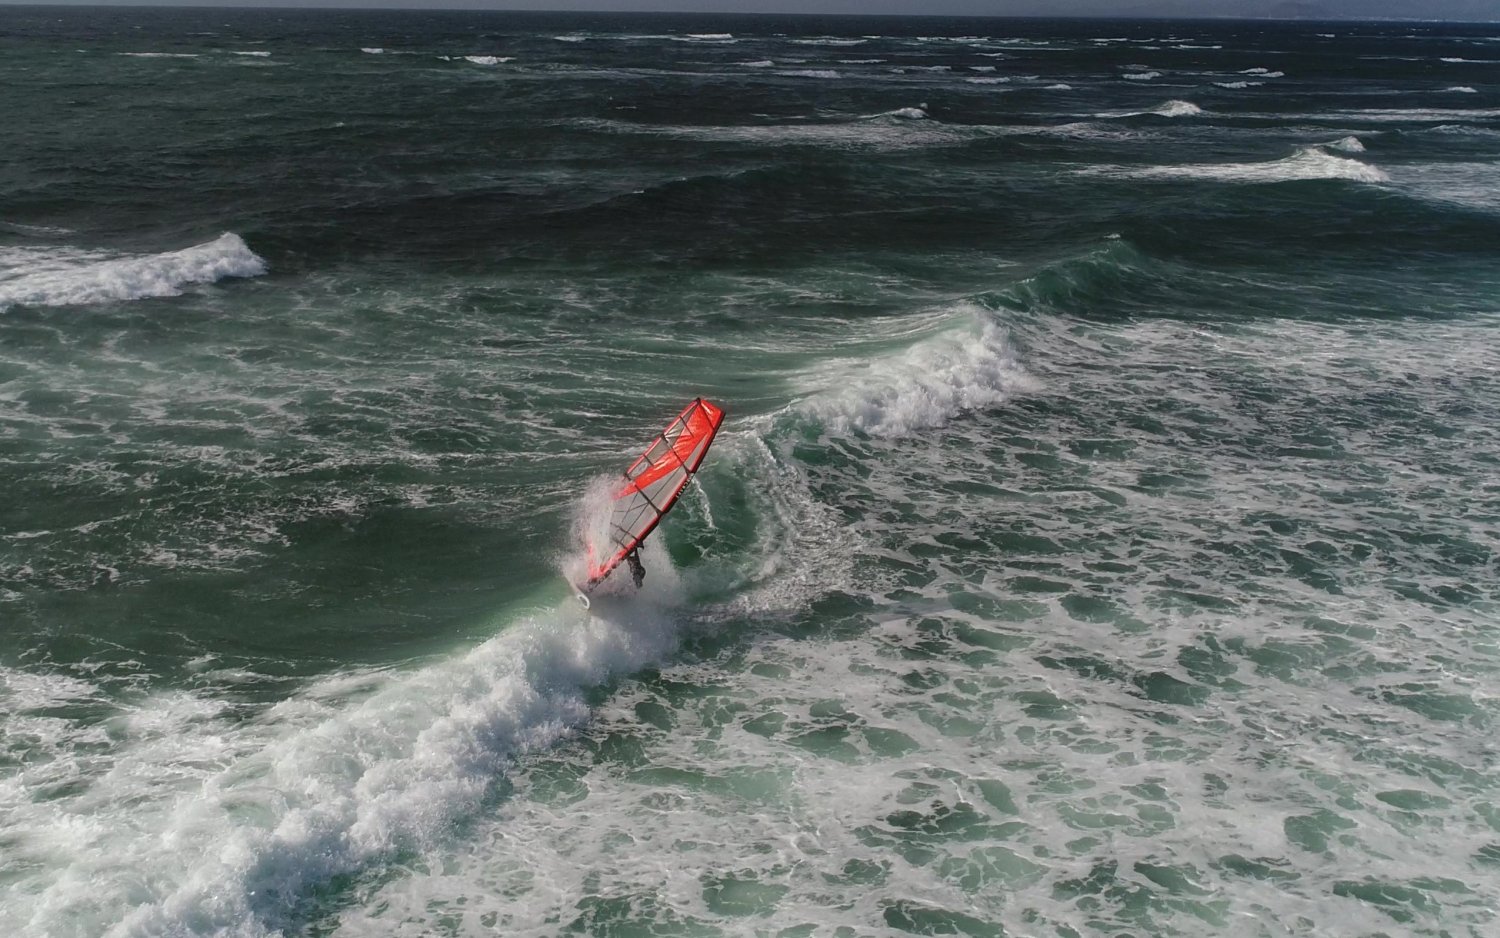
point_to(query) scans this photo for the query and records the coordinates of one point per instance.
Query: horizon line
(1142, 17)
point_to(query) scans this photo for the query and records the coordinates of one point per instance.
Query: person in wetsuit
(637, 572)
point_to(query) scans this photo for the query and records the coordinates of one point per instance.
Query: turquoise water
(1102, 539)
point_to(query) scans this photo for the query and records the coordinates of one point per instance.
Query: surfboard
(652, 486)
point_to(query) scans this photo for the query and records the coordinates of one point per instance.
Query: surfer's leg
(637, 572)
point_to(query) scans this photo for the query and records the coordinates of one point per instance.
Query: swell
(1122, 280)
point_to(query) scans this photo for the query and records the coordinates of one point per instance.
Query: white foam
(209, 826)
(1140, 76)
(905, 113)
(570, 38)
(1178, 109)
(995, 80)
(488, 59)
(1462, 89)
(763, 63)
(1306, 163)
(1473, 185)
(830, 42)
(1347, 144)
(1263, 72)
(1382, 115)
(967, 364)
(811, 73)
(706, 37)
(258, 53)
(161, 55)
(860, 61)
(1238, 85)
(372, 50)
(45, 277)
(1059, 87)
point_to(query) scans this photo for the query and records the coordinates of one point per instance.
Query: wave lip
(83, 278)
(968, 366)
(1177, 109)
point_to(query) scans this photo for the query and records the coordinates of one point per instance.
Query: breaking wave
(1306, 163)
(32, 278)
(968, 364)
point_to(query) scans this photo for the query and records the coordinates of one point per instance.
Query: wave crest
(1307, 163)
(75, 278)
(968, 365)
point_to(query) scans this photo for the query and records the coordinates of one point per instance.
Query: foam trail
(967, 366)
(70, 278)
(319, 788)
(1306, 163)
(905, 113)
(1173, 108)
(1178, 109)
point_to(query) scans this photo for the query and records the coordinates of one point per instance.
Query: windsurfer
(637, 572)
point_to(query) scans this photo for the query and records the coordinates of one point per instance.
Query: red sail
(653, 483)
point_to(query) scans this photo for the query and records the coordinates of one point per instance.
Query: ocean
(1102, 539)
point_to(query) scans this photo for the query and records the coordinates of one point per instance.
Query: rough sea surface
(1102, 541)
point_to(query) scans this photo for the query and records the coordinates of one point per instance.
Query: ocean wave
(372, 50)
(967, 365)
(830, 42)
(1239, 85)
(1306, 164)
(1347, 144)
(905, 113)
(1412, 115)
(1262, 72)
(1177, 109)
(74, 278)
(488, 59)
(160, 55)
(1173, 108)
(257, 53)
(811, 73)
(1141, 76)
(1060, 86)
(899, 129)
(218, 827)
(763, 63)
(1462, 89)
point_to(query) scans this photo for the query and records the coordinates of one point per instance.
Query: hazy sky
(1412, 9)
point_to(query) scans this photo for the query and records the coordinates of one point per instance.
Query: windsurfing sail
(652, 484)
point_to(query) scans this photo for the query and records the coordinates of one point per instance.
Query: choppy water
(1102, 540)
